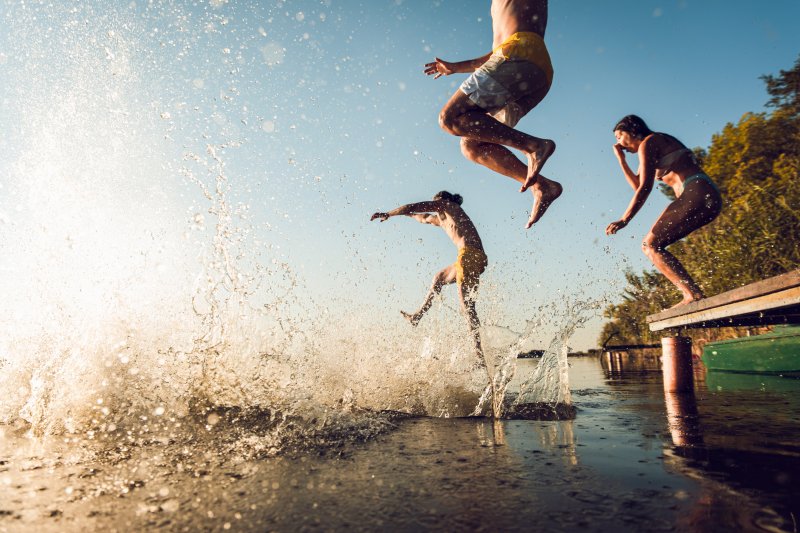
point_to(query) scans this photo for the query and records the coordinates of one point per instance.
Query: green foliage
(785, 89)
(756, 164)
(645, 294)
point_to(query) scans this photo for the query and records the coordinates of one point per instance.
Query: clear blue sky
(332, 120)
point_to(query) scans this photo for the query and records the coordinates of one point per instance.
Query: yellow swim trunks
(470, 264)
(513, 80)
(530, 47)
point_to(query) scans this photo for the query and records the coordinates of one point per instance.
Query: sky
(319, 114)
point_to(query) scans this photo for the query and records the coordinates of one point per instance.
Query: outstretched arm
(409, 209)
(439, 67)
(630, 175)
(645, 185)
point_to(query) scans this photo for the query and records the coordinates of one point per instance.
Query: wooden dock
(771, 301)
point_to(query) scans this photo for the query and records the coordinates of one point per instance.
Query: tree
(785, 89)
(645, 294)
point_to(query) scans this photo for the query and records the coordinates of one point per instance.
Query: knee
(472, 149)
(651, 245)
(439, 279)
(450, 121)
(468, 292)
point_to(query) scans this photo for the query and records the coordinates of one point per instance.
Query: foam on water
(139, 294)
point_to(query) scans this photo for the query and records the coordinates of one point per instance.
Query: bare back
(457, 225)
(512, 16)
(659, 146)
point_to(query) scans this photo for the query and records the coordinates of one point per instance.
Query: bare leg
(500, 159)
(697, 206)
(444, 277)
(467, 293)
(467, 297)
(668, 264)
(461, 117)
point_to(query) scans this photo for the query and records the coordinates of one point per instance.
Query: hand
(615, 227)
(619, 151)
(382, 216)
(439, 68)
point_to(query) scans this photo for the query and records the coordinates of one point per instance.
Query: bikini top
(664, 165)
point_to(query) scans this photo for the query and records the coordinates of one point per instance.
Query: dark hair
(633, 125)
(450, 197)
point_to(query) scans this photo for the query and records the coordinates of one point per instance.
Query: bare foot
(411, 318)
(543, 196)
(687, 300)
(536, 161)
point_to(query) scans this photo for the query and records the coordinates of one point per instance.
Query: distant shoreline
(537, 354)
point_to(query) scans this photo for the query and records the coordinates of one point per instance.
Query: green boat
(777, 352)
(770, 383)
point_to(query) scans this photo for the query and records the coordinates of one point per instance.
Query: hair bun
(450, 197)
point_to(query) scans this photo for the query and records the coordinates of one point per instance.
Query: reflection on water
(722, 458)
(736, 435)
(631, 362)
(682, 418)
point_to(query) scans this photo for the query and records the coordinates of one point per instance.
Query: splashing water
(546, 392)
(145, 292)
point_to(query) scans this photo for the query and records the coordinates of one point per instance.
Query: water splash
(546, 393)
(550, 382)
(147, 293)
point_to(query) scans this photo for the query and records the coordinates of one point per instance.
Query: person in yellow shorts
(445, 211)
(504, 85)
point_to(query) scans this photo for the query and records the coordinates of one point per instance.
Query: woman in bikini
(697, 202)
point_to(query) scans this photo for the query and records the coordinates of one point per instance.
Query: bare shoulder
(651, 145)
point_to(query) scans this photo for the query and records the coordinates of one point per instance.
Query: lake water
(724, 458)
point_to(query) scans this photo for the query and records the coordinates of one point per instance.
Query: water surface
(633, 459)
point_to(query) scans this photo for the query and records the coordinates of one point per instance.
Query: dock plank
(773, 300)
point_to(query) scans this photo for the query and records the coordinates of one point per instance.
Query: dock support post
(676, 364)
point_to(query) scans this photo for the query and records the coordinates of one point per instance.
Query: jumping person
(697, 203)
(445, 211)
(504, 86)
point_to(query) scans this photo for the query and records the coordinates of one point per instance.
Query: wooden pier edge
(771, 301)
